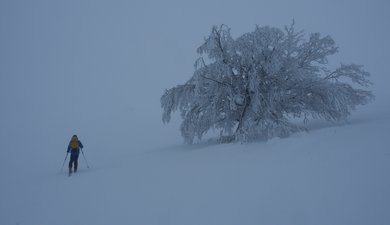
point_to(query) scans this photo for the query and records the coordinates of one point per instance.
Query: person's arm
(81, 145)
(68, 148)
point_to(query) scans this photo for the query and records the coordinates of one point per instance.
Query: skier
(74, 149)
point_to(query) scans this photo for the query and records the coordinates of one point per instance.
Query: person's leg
(76, 158)
(71, 162)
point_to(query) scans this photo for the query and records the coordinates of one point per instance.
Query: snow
(98, 69)
(330, 175)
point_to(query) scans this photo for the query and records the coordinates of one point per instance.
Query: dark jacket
(75, 151)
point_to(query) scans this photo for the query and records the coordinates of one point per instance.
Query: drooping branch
(219, 82)
(254, 83)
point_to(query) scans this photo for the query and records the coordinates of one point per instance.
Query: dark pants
(73, 159)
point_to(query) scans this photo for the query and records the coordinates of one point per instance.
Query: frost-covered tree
(249, 87)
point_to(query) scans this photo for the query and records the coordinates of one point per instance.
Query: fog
(98, 68)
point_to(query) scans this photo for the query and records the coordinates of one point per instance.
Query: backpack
(74, 143)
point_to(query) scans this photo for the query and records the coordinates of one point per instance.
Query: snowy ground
(98, 68)
(331, 175)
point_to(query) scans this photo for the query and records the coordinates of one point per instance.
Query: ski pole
(62, 168)
(84, 158)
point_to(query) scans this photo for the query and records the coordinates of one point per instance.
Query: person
(74, 148)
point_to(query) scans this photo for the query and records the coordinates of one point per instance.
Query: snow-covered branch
(254, 83)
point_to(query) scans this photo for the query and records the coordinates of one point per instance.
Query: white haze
(98, 68)
(104, 65)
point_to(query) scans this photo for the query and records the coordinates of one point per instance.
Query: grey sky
(108, 62)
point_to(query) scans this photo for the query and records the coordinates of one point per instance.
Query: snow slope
(98, 68)
(330, 175)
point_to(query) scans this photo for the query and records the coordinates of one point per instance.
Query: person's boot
(70, 171)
